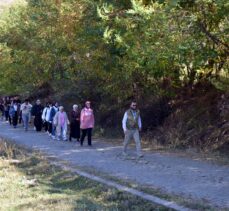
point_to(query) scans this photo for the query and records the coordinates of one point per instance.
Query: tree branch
(215, 39)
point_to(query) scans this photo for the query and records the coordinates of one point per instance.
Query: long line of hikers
(54, 120)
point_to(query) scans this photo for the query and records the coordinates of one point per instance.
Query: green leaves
(160, 38)
(113, 44)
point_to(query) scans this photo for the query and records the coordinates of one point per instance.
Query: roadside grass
(28, 181)
(193, 204)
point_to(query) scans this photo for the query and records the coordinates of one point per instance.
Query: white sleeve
(124, 122)
(21, 107)
(139, 122)
(43, 113)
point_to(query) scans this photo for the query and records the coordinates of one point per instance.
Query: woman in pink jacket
(87, 122)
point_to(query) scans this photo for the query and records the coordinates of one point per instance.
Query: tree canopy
(113, 49)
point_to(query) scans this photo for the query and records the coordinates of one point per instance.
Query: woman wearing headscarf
(74, 123)
(61, 122)
(87, 122)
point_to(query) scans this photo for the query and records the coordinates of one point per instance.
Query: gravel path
(182, 176)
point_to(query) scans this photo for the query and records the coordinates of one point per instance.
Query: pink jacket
(87, 119)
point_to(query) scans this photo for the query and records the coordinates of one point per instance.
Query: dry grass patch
(29, 182)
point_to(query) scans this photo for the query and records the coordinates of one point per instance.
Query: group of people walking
(54, 120)
(16, 112)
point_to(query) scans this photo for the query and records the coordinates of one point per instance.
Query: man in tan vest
(131, 125)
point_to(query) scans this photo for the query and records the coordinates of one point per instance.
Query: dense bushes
(200, 120)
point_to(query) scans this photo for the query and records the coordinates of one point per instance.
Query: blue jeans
(53, 130)
(25, 118)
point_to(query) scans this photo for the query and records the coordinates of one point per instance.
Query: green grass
(193, 204)
(30, 182)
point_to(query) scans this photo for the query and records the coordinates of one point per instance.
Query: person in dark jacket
(17, 99)
(74, 123)
(2, 110)
(6, 109)
(37, 112)
(16, 116)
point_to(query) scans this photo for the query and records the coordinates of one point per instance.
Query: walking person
(52, 127)
(37, 113)
(9, 106)
(6, 110)
(46, 116)
(131, 125)
(87, 122)
(14, 113)
(2, 110)
(17, 99)
(11, 112)
(10, 109)
(26, 108)
(61, 122)
(75, 123)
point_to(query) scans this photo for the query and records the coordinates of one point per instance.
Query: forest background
(169, 55)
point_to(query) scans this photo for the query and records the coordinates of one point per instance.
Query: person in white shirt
(131, 125)
(46, 117)
(26, 113)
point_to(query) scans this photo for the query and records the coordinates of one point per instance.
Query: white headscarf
(61, 107)
(75, 107)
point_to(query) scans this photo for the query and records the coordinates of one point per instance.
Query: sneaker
(124, 154)
(140, 156)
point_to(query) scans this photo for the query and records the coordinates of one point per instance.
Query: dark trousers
(87, 132)
(46, 126)
(50, 127)
(7, 115)
(20, 118)
(74, 130)
(10, 120)
(38, 123)
(15, 119)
